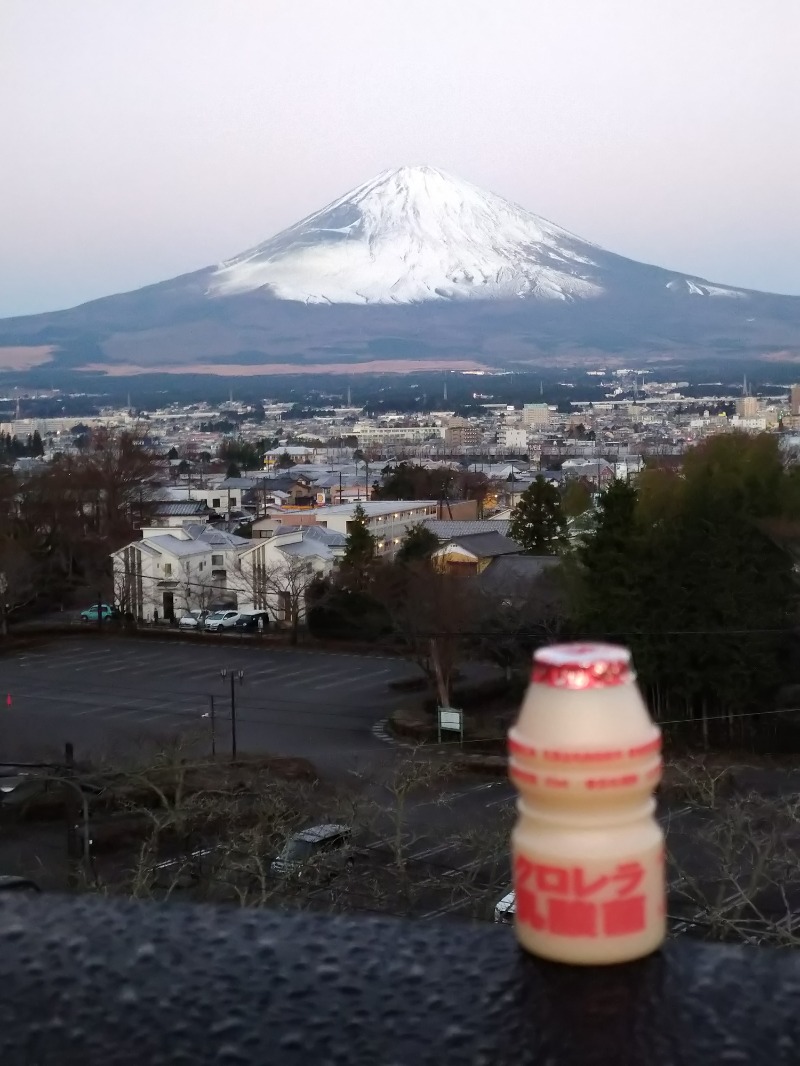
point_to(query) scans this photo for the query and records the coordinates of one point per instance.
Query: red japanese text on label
(519, 747)
(568, 901)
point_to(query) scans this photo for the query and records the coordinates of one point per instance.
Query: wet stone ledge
(100, 983)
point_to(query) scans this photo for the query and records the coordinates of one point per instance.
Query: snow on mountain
(416, 234)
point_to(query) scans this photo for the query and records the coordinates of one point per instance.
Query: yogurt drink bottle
(588, 852)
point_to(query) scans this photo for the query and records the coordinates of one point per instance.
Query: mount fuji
(414, 268)
(415, 234)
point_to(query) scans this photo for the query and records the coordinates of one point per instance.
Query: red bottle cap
(582, 666)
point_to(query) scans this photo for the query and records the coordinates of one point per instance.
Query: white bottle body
(588, 852)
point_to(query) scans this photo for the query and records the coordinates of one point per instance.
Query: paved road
(108, 695)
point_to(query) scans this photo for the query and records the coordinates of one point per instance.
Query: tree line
(18, 448)
(696, 571)
(59, 524)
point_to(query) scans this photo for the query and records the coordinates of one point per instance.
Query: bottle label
(577, 900)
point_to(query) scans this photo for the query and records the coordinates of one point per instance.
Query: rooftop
(510, 570)
(484, 545)
(374, 508)
(446, 529)
(177, 508)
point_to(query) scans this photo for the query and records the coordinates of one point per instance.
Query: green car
(102, 609)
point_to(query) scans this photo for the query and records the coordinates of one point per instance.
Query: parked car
(193, 620)
(104, 610)
(318, 851)
(221, 620)
(252, 620)
(506, 909)
(11, 883)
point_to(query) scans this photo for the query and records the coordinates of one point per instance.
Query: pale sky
(140, 139)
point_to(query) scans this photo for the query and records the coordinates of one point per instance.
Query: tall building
(748, 407)
(462, 434)
(535, 414)
(795, 399)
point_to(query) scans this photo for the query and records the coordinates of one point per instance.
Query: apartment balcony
(99, 982)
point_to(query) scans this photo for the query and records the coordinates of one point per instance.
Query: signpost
(451, 720)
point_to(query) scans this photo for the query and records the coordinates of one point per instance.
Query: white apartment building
(512, 439)
(171, 571)
(387, 520)
(749, 425)
(368, 433)
(275, 574)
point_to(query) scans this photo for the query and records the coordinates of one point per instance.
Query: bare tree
(515, 617)
(17, 580)
(732, 858)
(431, 611)
(198, 588)
(279, 586)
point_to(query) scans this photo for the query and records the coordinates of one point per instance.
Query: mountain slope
(414, 234)
(413, 265)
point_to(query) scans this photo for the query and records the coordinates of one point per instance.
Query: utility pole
(234, 675)
(71, 811)
(212, 716)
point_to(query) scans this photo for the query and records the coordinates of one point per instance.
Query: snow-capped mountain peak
(415, 233)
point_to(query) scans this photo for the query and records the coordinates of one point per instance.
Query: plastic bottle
(588, 852)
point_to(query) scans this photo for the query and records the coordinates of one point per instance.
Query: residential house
(276, 519)
(275, 574)
(171, 571)
(298, 453)
(474, 552)
(291, 490)
(177, 513)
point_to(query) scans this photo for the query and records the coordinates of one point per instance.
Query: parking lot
(103, 695)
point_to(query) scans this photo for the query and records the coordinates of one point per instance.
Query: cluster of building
(251, 537)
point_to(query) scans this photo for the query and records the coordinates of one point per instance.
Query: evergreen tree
(537, 522)
(233, 470)
(417, 545)
(37, 447)
(603, 591)
(359, 549)
(690, 572)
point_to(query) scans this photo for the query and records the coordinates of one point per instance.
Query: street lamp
(234, 675)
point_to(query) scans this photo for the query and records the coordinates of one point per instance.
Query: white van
(505, 909)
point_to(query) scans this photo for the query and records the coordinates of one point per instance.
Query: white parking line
(96, 708)
(353, 679)
(259, 673)
(294, 673)
(121, 714)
